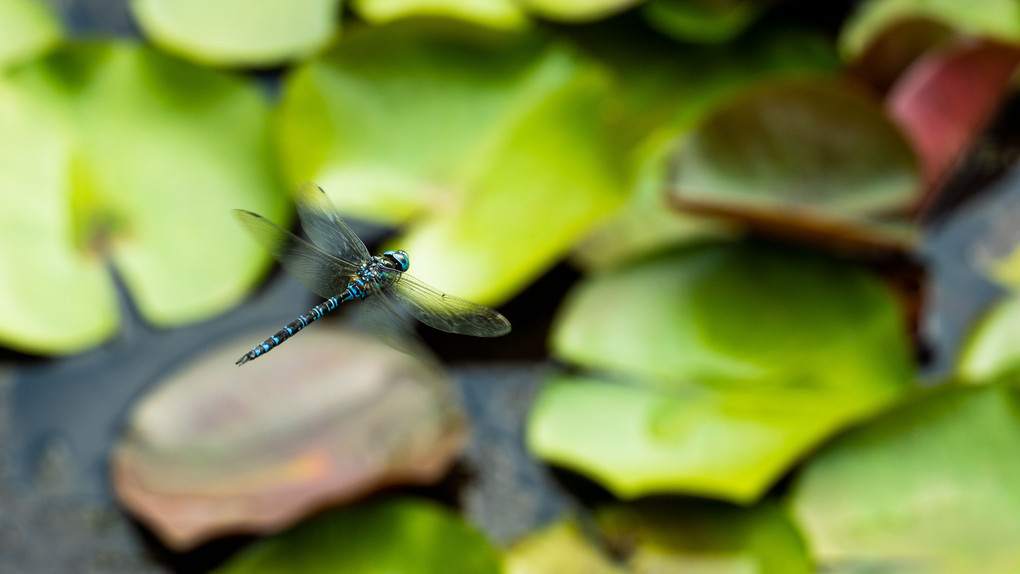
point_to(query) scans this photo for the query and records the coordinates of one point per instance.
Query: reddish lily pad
(325, 419)
(945, 98)
(893, 51)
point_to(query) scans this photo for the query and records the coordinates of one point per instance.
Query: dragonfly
(336, 264)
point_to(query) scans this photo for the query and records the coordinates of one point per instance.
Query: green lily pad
(27, 28)
(741, 315)
(238, 32)
(496, 13)
(998, 19)
(495, 146)
(702, 536)
(577, 10)
(115, 150)
(405, 536)
(991, 351)
(560, 548)
(798, 150)
(739, 359)
(702, 21)
(928, 487)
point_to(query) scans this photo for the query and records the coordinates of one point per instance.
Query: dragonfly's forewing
(445, 312)
(324, 227)
(319, 271)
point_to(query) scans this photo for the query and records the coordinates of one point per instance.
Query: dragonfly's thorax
(374, 275)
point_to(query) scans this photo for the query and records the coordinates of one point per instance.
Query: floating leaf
(701, 536)
(118, 150)
(328, 418)
(928, 487)
(946, 98)
(992, 352)
(27, 29)
(495, 13)
(892, 51)
(808, 154)
(703, 21)
(740, 358)
(577, 10)
(663, 108)
(560, 548)
(458, 127)
(405, 536)
(992, 18)
(239, 32)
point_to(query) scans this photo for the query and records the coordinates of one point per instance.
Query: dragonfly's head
(397, 259)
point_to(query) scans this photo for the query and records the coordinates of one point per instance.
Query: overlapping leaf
(239, 32)
(26, 29)
(929, 487)
(496, 145)
(115, 150)
(703, 21)
(737, 360)
(496, 13)
(998, 19)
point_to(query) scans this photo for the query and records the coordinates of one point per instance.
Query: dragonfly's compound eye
(399, 259)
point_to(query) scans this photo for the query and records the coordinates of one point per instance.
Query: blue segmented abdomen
(300, 323)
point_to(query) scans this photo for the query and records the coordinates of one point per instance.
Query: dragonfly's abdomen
(316, 313)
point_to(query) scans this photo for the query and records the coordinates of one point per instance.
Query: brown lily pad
(325, 419)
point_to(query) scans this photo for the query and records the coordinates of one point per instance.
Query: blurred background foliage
(760, 257)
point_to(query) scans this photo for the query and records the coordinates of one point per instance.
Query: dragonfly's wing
(445, 312)
(385, 321)
(319, 271)
(323, 225)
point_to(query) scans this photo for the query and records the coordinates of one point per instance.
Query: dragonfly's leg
(294, 326)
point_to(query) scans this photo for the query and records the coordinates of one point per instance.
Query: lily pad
(898, 46)
(496, 13)
(328, 418)
(663, 108)
(928, 487)
(239, 32)
(702, 536)
(577, 11)
(495, 145)
(115, 150)
(27, 29)
(944, 100)
(560, 548)
(738, 359)
(702, 21)
(998, 19)
(991, 352)
(404, 536)
(802, 151)
(740, 315)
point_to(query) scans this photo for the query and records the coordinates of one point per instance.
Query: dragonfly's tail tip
(244, 359)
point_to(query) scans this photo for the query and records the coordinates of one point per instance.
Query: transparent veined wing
(384, 320)
(324, 227)
(446, 312)
(319, 271)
